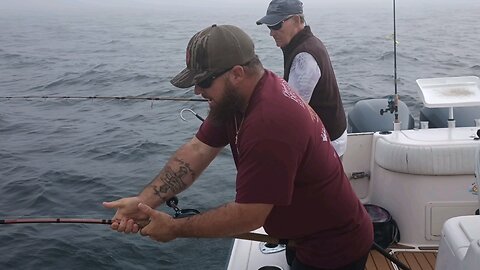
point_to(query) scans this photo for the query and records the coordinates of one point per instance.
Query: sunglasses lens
(206, 83)
(276, 26)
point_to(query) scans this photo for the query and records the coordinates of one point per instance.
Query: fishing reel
(390, 107)
(180, 213)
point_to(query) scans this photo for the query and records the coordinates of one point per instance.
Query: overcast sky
(73, 4)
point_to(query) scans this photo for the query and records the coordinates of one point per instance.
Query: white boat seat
(456, 159)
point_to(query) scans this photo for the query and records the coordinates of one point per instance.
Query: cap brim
(271, 19)
(184, 79)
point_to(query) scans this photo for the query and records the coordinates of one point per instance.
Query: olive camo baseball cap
(279, 10)
(212, 51)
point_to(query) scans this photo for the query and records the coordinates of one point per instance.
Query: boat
(425, 175)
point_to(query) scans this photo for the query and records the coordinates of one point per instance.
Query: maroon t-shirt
(284, 157)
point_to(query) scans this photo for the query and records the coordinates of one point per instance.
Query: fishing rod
(181, 213)
(172, 203)
(392, 103)
(152, 98)
(246, 236)
(395, 62)
(389, 256)
(55, 220)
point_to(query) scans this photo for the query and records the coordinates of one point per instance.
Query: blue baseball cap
(279, 10)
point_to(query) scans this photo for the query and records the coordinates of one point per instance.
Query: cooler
(460, 244)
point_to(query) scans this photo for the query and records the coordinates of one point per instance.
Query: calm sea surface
(63, 157)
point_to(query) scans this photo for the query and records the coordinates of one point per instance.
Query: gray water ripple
(78, 251)
(135, 152)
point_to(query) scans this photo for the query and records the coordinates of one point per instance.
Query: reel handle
(172, 202)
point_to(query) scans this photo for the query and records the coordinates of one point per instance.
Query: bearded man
(289, 178)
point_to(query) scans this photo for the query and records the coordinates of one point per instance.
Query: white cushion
(454, 159)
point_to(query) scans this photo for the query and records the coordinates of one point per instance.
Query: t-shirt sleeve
(304, 75)
(266, 173)
(212, 134)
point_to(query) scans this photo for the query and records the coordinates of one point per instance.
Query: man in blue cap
(307, 66)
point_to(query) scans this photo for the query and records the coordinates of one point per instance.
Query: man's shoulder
(279, 106)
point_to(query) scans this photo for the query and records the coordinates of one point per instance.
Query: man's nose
(197, 90)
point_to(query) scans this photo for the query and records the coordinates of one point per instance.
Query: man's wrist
(150, 198)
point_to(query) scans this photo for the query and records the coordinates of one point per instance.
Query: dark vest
(325, 100)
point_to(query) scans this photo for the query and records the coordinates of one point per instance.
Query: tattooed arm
(179, 173)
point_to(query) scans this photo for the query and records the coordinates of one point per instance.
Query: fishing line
(120, 98)
(152, 98)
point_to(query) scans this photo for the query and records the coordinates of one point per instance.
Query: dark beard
(230, 104)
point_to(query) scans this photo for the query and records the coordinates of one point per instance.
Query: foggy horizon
(261, 5)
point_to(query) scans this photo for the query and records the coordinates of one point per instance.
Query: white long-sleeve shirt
(303, 77)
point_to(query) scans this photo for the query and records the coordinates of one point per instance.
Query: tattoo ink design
(173, 180)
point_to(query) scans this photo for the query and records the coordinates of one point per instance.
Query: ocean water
(63, 157)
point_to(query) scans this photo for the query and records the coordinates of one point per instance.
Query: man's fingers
(130, 228)
(147, 210)
(135, 228)
(114, 204)
(143, 232)
(114, 225)
(122, 225)
(142, 223)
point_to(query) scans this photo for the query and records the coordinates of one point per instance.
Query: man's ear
(237, 74)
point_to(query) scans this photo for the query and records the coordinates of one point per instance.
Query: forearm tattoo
(173, 181)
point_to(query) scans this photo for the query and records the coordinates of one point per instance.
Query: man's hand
(161, 226)
(128, 216)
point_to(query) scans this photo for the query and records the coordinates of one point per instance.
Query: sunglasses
(206, 83)
(279, 25)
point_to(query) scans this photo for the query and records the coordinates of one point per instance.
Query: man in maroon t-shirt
(290, 179)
